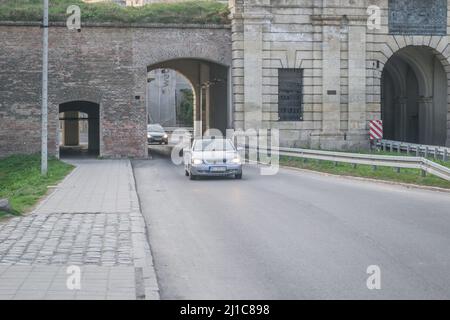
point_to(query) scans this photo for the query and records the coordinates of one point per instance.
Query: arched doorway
(210, 91)
(414, 97)
(79, 128)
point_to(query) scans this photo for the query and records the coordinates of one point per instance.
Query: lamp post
(44, 109)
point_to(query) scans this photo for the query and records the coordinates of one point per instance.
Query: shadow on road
(76, 152)
(159, 151)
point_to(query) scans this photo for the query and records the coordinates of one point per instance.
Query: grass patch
(21, 181)
(413, 154)
(396, 154)
(2, 214)
(402, 154)
(196, 12)
(412, 176)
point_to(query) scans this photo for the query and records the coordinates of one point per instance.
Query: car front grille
(214, 161)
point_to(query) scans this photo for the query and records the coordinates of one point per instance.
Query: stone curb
(142, 255)
(392, 183)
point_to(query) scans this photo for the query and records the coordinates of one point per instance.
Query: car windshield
(213, 145)
(155, 128)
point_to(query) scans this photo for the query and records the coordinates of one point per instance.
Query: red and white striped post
(375, 131)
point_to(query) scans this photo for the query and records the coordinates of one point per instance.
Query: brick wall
(105, 64)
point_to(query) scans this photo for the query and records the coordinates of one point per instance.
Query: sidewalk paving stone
(92, 220)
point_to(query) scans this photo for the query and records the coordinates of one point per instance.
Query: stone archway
(211, 89)
(414, 100)
(71, 118)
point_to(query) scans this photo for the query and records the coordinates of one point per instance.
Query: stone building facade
(349, 69)
(312, 68)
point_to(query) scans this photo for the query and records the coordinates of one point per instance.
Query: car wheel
(238, 176)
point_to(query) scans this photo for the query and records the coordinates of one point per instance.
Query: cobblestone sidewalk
(92, 220)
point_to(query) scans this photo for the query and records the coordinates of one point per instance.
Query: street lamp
(44, 160)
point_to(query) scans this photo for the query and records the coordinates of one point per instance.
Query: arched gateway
(210, 84)
(414, 98)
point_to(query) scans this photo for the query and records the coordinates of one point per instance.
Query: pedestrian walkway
(91, 221)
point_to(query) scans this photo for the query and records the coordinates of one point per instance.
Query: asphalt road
(295, 235)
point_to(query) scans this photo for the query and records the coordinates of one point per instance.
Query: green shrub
(196, 12)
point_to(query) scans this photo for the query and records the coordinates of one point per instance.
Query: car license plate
(218, 169)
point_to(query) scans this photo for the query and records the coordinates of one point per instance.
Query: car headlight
(197, 161)
(149, 135)
(165, 136)
(236, 160)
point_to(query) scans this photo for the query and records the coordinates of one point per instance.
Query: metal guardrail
(409, 162)
(374, 160)
(417, 149)
(436, 169)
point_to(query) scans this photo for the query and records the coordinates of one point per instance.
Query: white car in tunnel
(212, 157)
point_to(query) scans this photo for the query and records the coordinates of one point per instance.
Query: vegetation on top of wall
(190, 12)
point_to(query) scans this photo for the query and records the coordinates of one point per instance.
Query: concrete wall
(104, 64)
(161, 93)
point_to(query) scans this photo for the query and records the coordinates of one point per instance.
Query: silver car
(156, 133)
(212, 157)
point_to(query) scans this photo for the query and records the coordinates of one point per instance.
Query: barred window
(290, 94)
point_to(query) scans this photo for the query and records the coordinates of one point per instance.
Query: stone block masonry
(342, 62)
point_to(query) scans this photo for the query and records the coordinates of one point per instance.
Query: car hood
(214, 155)
(156, 134)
